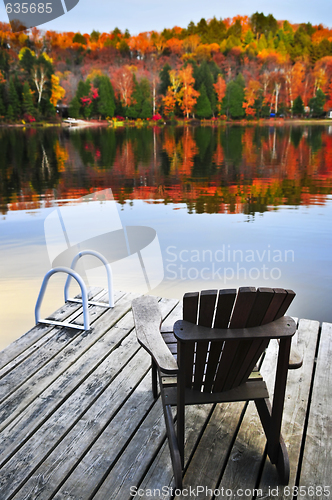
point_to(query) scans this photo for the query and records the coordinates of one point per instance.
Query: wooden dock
(78, 420)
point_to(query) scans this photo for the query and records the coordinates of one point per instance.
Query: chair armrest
(147, 318)
(282, 327)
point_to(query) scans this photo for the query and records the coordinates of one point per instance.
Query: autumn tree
(172, 97)
(250, 96)
(169, 102)
(187, 95)
(220, 90)
(123, 84)
(57, 92)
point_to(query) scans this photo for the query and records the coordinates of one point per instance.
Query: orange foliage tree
(188, 95)
(250, 95)
(169, 102)
(220, 89)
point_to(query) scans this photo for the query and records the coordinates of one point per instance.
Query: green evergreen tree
(94, 37)
(298, 106)
(4, 60)
(142, 106)
(165, 81)
(78, 38)
(83, 90)
(317, 103)
(233, 100)
(74, 108)
(146, 110)
(105, 102)
(13, 100)
(10, 113)
(28, 60)
(203, 75)
(203, 105)
(133, 111)
(249, 38)
(235, 30)
(28, 106)
(240, 80)
(2, 102)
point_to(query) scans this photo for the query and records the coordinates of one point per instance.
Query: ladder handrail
(108, 271)
(81, 283)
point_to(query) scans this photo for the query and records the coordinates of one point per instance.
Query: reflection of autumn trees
(221, 169)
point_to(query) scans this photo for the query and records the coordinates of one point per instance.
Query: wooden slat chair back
(219, 341)
(219, 366)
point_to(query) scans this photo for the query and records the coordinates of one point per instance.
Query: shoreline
(193, 122)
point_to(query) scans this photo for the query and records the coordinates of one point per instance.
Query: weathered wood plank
(52, 432)
(41, 356)
(243, 466)
(211, 454)
(93, 444)
(87, 431)
(161, 472)
(66, 396)
(33, 386)
(136, 459)
(296, 403)
(19, 346)
(167, 325)
(317, 459)
(49, 400)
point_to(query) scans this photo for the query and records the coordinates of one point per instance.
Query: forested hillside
(244, 67)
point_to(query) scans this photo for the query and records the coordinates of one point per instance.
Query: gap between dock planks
(67, 408)
(57, 341)
(225, 463)
(316, 472)
(37, 430)
(107, 433)
(21, 348)
(42, 368)
(295, 410)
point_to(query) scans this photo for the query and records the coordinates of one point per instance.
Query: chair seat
(250, 390)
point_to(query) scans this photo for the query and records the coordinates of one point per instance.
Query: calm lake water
(192, 208)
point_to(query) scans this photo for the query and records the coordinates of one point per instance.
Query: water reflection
(230, 169)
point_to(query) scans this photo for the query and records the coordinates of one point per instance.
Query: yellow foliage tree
(58, 92)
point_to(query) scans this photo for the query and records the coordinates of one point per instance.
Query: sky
(146, 15)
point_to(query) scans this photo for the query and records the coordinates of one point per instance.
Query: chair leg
(173, 447)
(279, 456)
(154, 378)
(172, 438)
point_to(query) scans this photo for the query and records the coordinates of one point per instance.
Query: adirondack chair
(215, 349)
